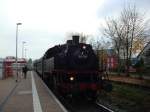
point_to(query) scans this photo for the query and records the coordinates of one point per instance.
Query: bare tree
(83, 37)
(100, 46)
(124, 31)
(96, 44)
(114, 31)
(135, 28)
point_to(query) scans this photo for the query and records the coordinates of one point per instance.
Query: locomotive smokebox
(75, 39)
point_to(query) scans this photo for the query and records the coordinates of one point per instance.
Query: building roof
(109, 52)
(144, 49)
(13, 59)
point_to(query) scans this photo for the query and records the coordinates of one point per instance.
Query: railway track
(81, 105)
(84, 106)
(104, 107)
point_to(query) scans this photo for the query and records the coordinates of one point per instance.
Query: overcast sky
(46, 23)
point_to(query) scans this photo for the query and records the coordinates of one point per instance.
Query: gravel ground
(126, 98)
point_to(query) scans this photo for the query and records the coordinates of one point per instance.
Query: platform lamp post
(25, 54)
(23, 43)
(17, 24)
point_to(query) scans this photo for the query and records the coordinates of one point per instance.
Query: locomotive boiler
(71, 69)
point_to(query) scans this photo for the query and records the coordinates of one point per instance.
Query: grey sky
(46, 23)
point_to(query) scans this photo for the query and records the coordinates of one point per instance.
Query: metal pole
(22, 49)
(17, 49)
(23, 43)
(25, 54)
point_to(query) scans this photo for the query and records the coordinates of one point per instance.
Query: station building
(9, 65)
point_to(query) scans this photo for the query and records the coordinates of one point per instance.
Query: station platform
(27, 95)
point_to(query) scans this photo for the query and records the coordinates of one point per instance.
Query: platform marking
(54, 97)
(36, 100)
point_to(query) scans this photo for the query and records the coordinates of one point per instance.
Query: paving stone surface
(47, 101)
(21, 98)
(6, 86)
(18, 96)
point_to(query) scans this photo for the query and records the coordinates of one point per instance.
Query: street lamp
(23, 48)
(17, 24)
(25, 54)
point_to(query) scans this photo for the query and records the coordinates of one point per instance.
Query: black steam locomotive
(71, 69)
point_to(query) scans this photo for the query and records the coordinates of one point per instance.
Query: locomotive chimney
(75, 39)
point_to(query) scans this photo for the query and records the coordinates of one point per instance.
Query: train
(71, 69)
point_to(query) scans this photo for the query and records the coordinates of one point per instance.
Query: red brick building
(8, 65)
(112, 62)
(108, 59)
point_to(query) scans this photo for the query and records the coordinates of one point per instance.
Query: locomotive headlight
(84, 47)
(71, 78)
(103, 77)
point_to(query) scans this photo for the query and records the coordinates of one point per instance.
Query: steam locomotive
(71, 69)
